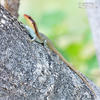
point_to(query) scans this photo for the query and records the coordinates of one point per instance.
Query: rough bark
(94, 19)
(12, 6)
(31, 71)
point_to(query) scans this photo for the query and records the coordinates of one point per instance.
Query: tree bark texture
(31, 71)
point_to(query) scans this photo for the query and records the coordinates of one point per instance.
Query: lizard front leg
(31, 34)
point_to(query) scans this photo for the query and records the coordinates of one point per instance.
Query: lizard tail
(73, 69)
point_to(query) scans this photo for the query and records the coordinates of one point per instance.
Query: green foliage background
(68, 28)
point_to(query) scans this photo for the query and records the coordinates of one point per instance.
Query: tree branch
(12, 6)
(31, 71)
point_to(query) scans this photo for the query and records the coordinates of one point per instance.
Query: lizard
(43, 39)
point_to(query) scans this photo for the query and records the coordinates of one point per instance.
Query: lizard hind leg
(45, 44)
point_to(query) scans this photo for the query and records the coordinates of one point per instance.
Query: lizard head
(29, 20)
(32, 24)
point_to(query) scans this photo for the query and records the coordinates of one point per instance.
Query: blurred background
(66, 25)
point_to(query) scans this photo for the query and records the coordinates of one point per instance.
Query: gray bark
(94, 19)
(31, 71)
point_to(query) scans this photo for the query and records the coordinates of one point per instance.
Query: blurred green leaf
(92, 63)
(50, 19)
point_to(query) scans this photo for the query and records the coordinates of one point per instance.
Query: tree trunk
(11, 5)
(94, 19)
(31, 71)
